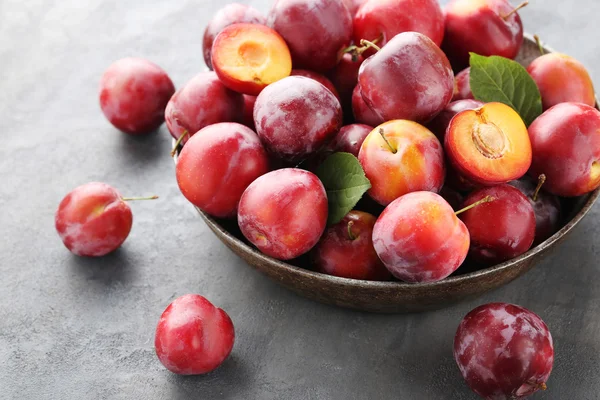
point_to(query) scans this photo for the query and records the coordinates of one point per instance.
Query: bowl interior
(397, 296)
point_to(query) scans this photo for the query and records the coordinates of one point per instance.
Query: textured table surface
(73, 328)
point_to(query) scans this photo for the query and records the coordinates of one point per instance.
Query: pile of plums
(453, 180)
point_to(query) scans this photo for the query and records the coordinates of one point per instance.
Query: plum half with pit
(248, 57)
(488, 145)
(409, 78)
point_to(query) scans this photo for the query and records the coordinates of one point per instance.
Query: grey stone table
(73, 328)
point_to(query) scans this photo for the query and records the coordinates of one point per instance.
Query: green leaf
(345, 182)
(498, 79)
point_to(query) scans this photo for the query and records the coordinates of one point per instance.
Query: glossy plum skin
(362, 112)
(478, 26)
(386, 18)
(462, 88)
(203, 101)
(440, 123)
(547, 208)
(193, 337)
(284, 213)
(350, 139)
(345, 256)
(410, 78)
(562, 79)
(217, 165)
(566, 148)
(504, 351)
(415, 163)
(248, 118)
(315, 30)
(133, 95)
(419, 238)
(501, 229)
(93, 220)
(295, 117)
(322, 79)
(345, 78)
(233, 13)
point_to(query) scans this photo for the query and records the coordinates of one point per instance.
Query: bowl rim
(387, 285)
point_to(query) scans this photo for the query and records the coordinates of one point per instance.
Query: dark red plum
(296, 116)
(384, 19)
(315, 31)
(248, 118)
(346, 250)
(501, 229)
(504, 351)
(546, 206)
(345, 78)
(350, 138)
(322, 79)
(462, 88)
(362, 112)
(409, 78)
(485, 27)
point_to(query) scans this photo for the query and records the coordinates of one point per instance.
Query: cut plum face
(489, 145)
(248, 57)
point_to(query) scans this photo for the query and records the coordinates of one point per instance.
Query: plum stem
(541, 181)
(367, 44)
(139, 198)
(178, 142)
(382, 133)
(487, 199)
(357, 51)
(539, 44)
(517, 8)
(543, 386)
(351, 235)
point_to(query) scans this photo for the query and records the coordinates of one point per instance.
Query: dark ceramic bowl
(394, 297)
